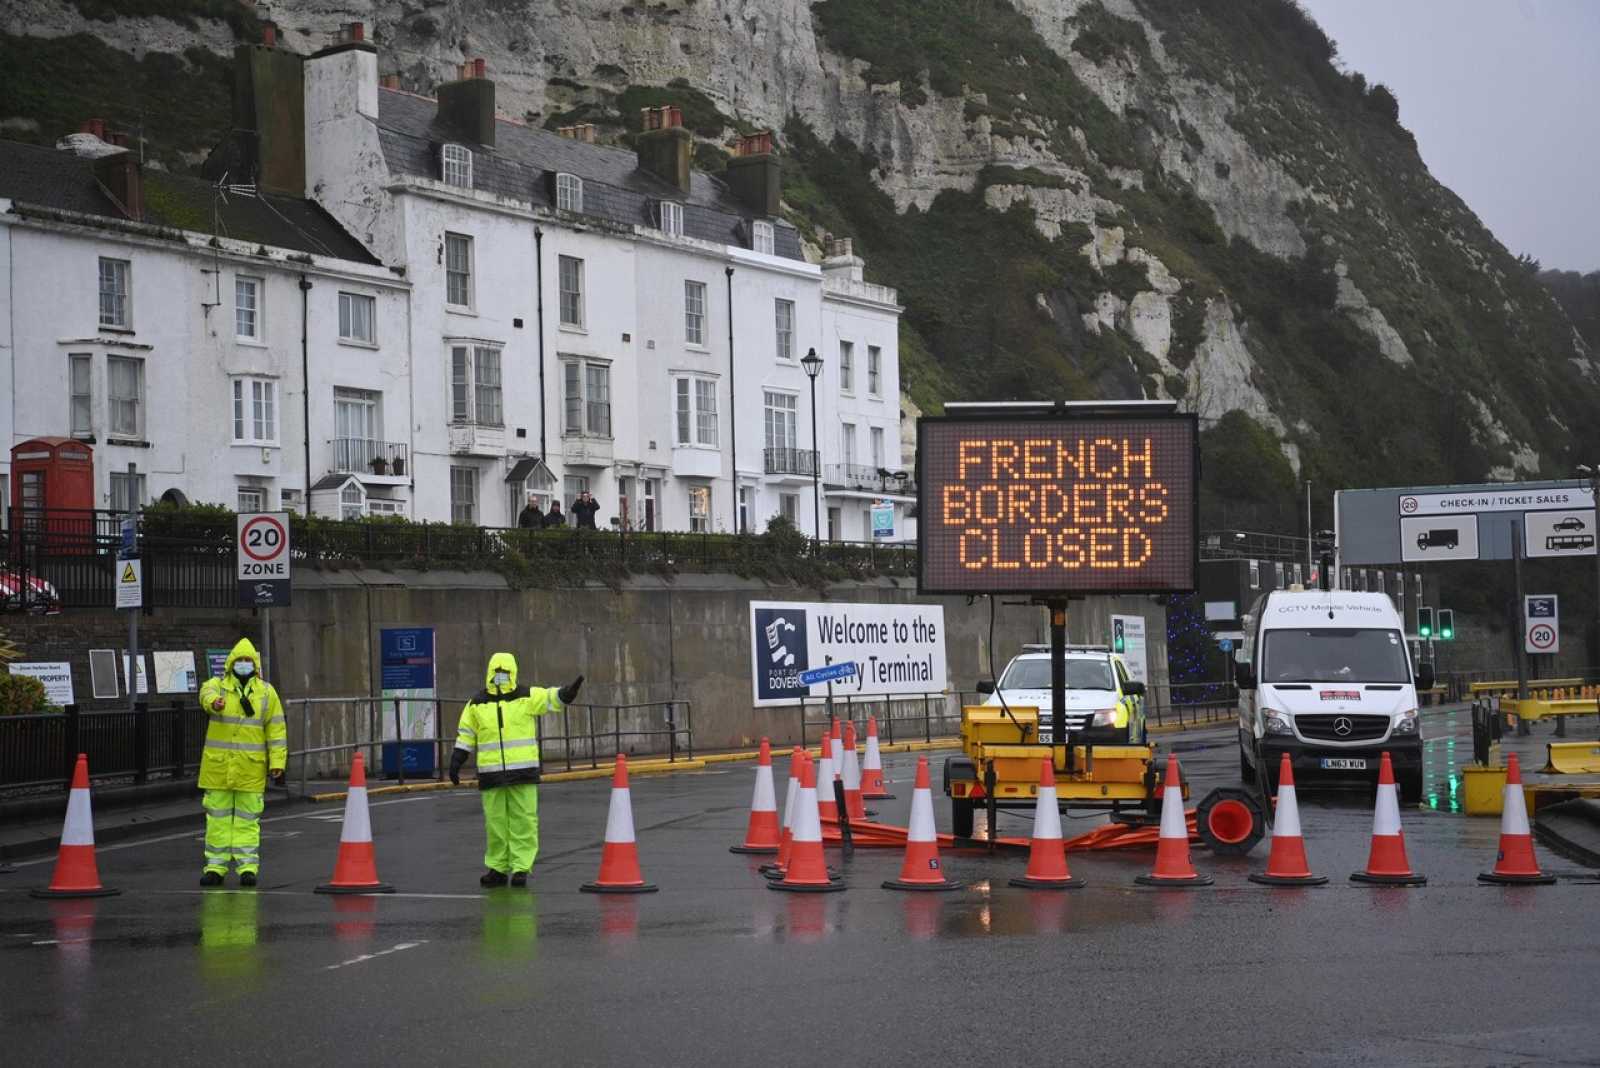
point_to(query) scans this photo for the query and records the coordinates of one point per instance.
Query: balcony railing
(869, 478)
(356, 455)
(787, 461)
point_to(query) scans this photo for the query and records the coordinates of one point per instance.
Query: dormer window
(456, 164)
(761, 237)
(671, 218)
(569, 192)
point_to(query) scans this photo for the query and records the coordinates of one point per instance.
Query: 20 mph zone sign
(263, 552)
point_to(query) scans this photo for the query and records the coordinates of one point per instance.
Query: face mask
(502, 678)
(244, 669)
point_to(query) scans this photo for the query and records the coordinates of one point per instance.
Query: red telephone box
(52, 487)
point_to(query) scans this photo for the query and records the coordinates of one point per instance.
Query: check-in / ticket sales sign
(1569, 532)
(1042, 506)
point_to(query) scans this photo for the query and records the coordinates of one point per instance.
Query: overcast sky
(1504, 99)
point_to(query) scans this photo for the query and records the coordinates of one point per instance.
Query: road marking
(374, 956)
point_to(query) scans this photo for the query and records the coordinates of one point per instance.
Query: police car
(1103, 705)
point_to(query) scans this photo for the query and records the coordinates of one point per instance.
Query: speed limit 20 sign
(262, 548)
(1541, 614)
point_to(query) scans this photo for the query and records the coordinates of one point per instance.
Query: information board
(1056, 506)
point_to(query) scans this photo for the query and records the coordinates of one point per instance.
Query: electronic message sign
(1057, 506)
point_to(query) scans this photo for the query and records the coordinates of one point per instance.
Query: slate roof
(522, 164)
(52, 178)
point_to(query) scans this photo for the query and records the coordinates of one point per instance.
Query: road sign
(827, 674)
(1226, 645)
(1439, 537)
(1565, 533)
(1541, 615)
(882, 520)
(1372, 525)
(130, 583)
(1132, 630)
(130, 533)
(1055, 506)
(262, 548)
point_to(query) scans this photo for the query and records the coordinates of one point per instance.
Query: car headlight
(1278, 723)
(1104, 718)
(1406, 724)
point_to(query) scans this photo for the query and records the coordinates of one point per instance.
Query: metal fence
(37, 752)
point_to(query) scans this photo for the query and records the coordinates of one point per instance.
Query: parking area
(1454, 972)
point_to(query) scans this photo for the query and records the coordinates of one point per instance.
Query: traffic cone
(1515, 862)
(807, 872)
(1047, 854)
(1172, 847)
(619, 857)
(1386, 863)
(852, 776)
(920, 870)
(872, 769)
(1286, 864)
(77, 874)
(827, 807)
(763, 833)
(356, 870)
(776, 869)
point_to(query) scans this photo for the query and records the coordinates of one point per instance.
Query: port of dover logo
(782, 652)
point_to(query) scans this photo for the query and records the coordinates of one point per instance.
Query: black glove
(570, 690)
(277, 777)
(458, 757)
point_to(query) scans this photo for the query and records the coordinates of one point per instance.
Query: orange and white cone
(762, 835)
(852, 776)
(827, 807)
(776, 869)
(921, 869)
(76, 873)
(1386, 862)
(807, 872)
(1173, 867)
(1047, 853)
(1515, 863)
(619, 856)
(1286, 864)
(356, 870)
(872, 767)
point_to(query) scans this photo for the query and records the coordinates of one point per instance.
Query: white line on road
(374, 956)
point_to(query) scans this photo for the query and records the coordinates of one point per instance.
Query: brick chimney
(122, 176)
(753, 173)
(389, 81)
(467, 104)
(842, 261)
(269, 113)
(664, 146)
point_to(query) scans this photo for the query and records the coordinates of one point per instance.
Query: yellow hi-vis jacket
(247, 736)
(498, 726)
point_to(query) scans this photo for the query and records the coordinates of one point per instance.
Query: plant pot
(399, 467)
(380, 466)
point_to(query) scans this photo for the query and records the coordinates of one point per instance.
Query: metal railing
(789, 461)
(352, 455)
(1251, 544)
(870, 478)
(1190, 703)
(38, 752)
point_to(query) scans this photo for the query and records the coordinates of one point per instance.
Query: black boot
(519, 878)
(210, 878)
(247, 879)
(492, 878)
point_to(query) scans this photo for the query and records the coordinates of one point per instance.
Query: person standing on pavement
(584, 510)
(532, 518)
(498, 725)
(245, 741)
(554, 517)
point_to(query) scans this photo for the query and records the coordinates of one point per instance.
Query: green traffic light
(1447, 624)
(1424, 622)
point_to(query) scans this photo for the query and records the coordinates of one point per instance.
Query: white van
(1326, 676)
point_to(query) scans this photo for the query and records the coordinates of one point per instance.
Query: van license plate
(1343, 764)
(1044, 737)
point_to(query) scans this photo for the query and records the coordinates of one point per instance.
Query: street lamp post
(813, 367)
(1593, 475)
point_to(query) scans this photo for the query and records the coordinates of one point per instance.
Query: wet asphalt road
(716, 969)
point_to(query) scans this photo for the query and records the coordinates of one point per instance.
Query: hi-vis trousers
(233, 829)
(511, 825)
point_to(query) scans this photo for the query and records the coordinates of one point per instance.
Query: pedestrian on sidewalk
(531, 517)
(584, 510)
(555, 517)
(498, 725)
(245, 741)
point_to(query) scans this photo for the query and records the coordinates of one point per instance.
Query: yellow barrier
(1572, 758)
(1540, 687)
(1483, 790)
(1535, 708)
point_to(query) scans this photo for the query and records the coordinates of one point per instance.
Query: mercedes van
(1326, 677)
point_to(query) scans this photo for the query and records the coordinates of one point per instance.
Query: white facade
(196, 375)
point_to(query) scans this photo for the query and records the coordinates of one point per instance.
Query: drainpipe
(538, 274)
(305, 378)
(733, 407)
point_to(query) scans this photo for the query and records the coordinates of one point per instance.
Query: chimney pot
(355, 31)
(477, 69)
(94, 126)
(390, 81)
(269, 35)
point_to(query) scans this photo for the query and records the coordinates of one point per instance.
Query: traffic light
(1447, 625)
(1424, 622)
(1118, 641)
